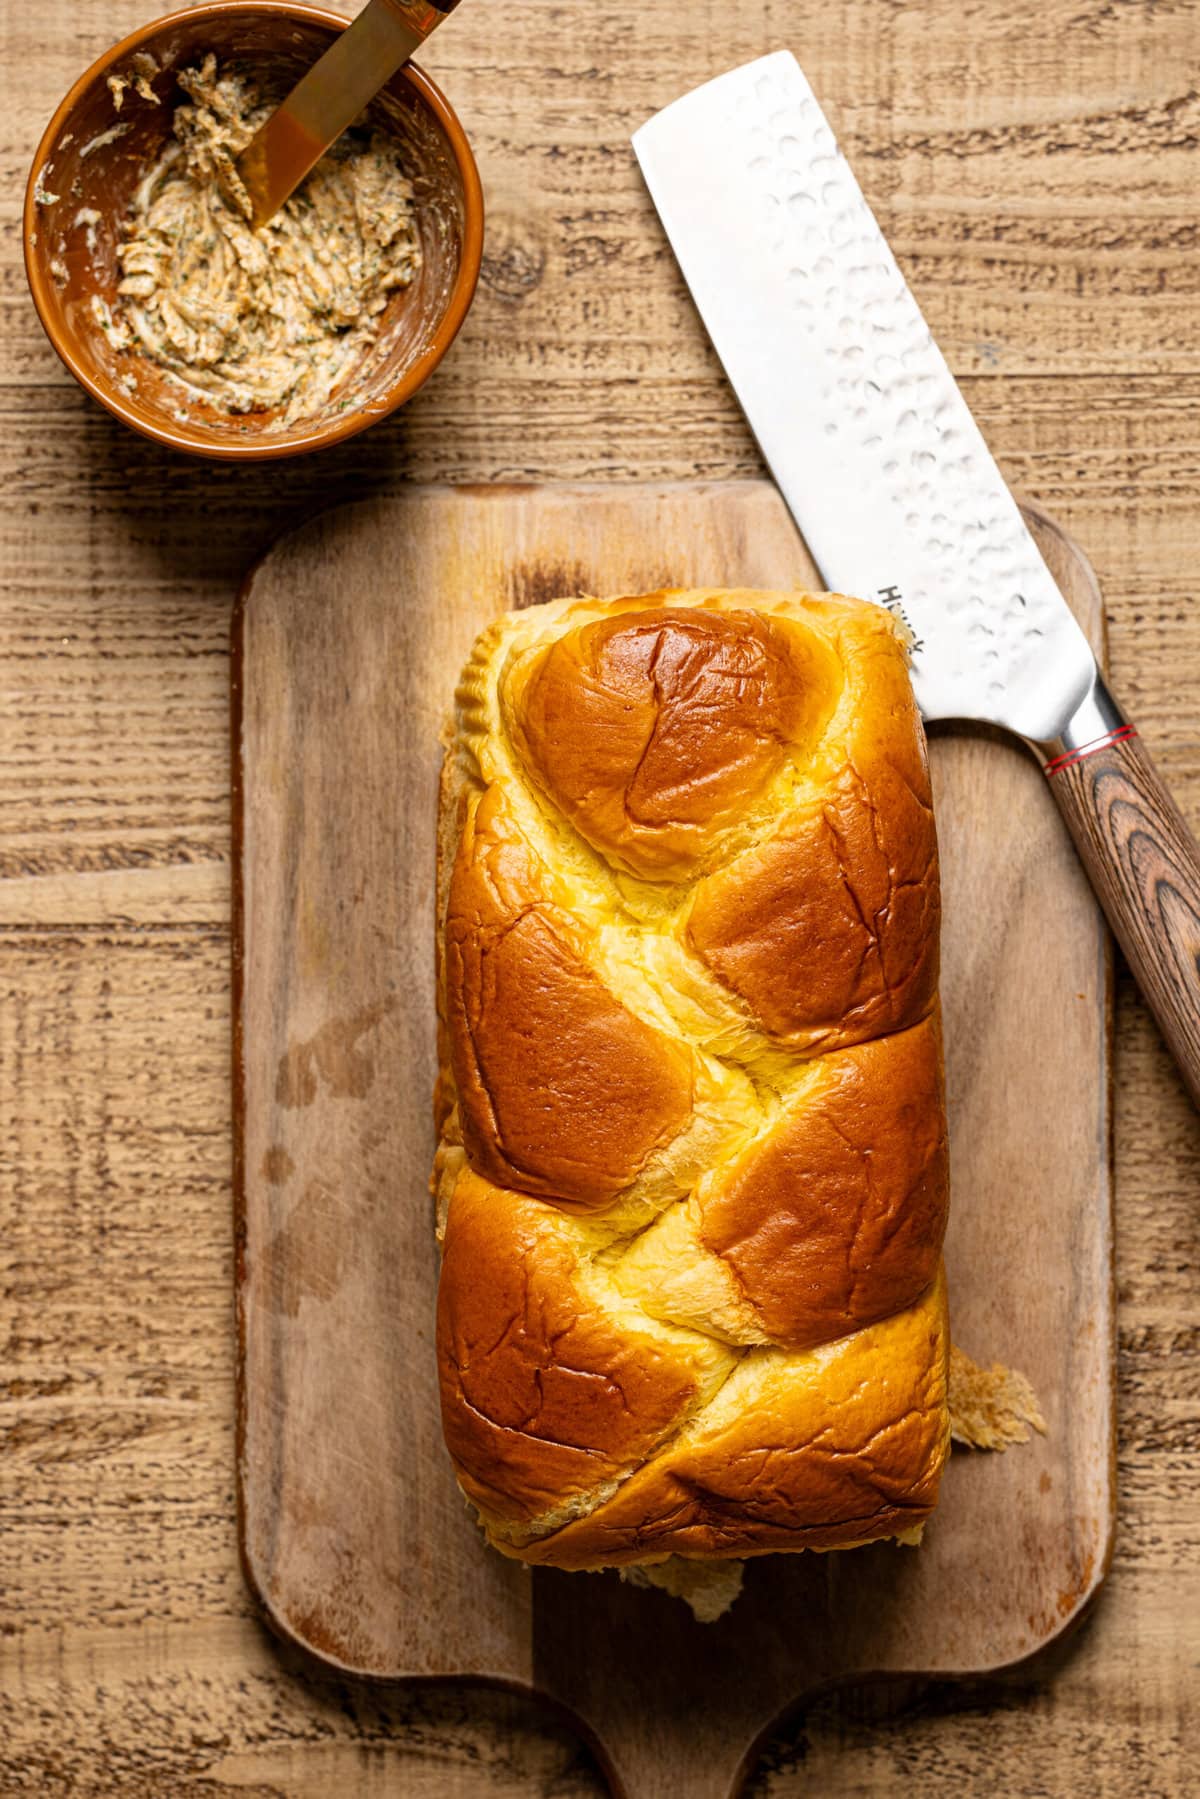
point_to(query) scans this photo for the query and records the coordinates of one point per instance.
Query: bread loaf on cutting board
(692, 1176)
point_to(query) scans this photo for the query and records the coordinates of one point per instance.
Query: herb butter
(269, 320)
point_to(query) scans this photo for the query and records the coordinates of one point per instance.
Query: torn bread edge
(990, 1409)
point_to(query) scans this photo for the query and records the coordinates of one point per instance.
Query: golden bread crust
(570, 1394)
(652, 733)
(828, 929)
(820, 1451)
(693, 1165)
(835, 1217)
(564, 1092)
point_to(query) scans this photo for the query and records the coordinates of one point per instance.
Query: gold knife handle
(1141, 859)
(423, 15)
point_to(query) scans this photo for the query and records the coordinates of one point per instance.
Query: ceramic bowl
(91, 158)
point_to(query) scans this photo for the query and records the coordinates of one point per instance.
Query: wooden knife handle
(1144, 865)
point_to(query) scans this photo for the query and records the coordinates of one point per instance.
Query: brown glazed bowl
(83, 177)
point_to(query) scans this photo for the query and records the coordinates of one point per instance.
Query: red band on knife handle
(1120, 735)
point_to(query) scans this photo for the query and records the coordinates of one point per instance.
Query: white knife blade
(896, 493)
(853, 404)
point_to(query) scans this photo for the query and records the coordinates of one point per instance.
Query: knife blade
(896, 493)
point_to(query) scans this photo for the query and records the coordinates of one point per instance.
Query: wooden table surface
(1035, 164)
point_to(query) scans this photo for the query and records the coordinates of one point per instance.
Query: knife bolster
(1096, 722)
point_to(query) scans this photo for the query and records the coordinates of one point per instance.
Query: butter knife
(331, 95)
(897, 495)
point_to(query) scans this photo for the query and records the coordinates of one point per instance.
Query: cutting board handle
(1142, 861)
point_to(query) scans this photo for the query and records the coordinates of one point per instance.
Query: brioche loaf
(692, 1176)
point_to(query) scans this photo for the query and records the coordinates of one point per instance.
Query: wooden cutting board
(347, 643)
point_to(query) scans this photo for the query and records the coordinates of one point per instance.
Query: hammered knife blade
(896, 493)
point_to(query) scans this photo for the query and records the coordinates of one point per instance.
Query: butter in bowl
(182, 319)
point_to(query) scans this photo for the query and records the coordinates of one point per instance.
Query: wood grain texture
(1034, 163)
(355, 1536)
(1145, 867)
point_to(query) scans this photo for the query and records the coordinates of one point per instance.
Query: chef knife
(897, 495)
